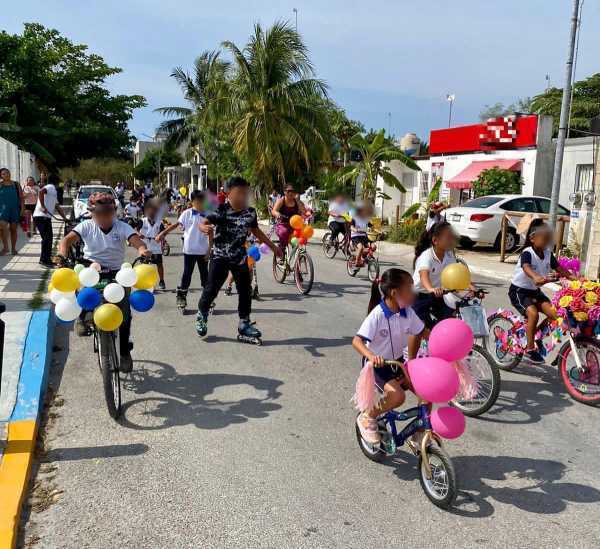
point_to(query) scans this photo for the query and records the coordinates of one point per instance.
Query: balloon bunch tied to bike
(102, 305)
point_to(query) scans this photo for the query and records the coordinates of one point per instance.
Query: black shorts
(361, 239)
(30, 207)
(521, 298)
(431, 309)
(385, 374)
(156, 259)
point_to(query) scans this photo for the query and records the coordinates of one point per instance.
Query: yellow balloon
(456, 277)
(65, 280)
(147, 276)
(108, 317)
(182, 191)
(50, 287)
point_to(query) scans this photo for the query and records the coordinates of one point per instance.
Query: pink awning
(464, 180)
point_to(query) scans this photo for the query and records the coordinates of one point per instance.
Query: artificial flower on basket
(578, 303)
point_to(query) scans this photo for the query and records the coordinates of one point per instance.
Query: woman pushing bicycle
(283, 210)
(104, 238)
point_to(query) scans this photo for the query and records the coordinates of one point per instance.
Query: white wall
(410, 179)
(20, 163)
(578, 151)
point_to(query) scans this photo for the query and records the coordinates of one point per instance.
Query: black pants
(337, 227)
(44, 227)
(217, 274)
(431, 309)
(189, 262)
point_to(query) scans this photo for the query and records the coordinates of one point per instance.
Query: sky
(389, 64)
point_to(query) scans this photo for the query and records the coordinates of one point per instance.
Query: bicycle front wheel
(583, 384)
(329, 248)
(440, 488)
(304, 272)
(373, 269)
(280, 268)
(109, 366)
(497, 343)
(478, 396)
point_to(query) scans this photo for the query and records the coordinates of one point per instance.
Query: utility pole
(296, 15)
(564, 117)
(450, 97)
(390, 125)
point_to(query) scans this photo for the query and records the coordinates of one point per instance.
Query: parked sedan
(479, 221)
(83, 194)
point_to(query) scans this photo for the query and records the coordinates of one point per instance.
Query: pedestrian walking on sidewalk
(46, 205)
(30, 197)
(11, 210)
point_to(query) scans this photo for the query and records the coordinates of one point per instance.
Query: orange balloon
(250, 262)
(307, 232)
(296, 222)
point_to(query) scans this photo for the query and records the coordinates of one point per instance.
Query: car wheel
(512, 240)
(467, 243)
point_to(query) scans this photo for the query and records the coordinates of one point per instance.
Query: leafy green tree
(53, 99)
(497, 181)
(343, 129)
(148, 168)
(522, 105)
(107, 170)
(585, 105)
(376, 155)
(275, 105)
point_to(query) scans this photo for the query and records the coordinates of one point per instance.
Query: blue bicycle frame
(421, 421)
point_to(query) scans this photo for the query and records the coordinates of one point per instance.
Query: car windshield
(482, 202)
(86, 192)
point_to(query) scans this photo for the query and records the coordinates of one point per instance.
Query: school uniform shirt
(149, 231)
(132, 210)
(428, 261)
(50, 200)
(106, 248)
(360, 226)
(543, 266)
(231, 231)
(338, 210)
(386, 333)
(195, 242)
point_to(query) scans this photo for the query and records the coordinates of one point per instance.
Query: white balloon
(67, 310)
(126, 266)
(56, 295)
(114, 293)
(126, 277)
(89, 277)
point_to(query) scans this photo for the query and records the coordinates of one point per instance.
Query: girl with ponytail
(390, 327)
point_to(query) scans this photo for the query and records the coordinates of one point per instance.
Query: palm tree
(276, 105)
(203, 90)
(374, 158)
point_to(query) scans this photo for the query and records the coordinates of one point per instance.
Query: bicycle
(369, 257)
(436, 472)
(331, 248)
(165, 247)
(578, 358)
(298, 261)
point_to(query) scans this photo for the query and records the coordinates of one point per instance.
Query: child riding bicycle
(104, 239)
(283, 210)
(359, 228)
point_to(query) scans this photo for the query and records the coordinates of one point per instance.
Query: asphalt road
(225, 444)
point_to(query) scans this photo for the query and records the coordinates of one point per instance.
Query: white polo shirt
(386, 333)
(543, 266)
(430, 262)
(360, 226)
(50, 200)
(339, 210)
(195, 242)
(149, 231)
(106, 248)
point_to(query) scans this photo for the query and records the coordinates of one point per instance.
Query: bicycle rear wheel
(476, 400)
(329, 248)
(109, 366)
(351, 267)
(280, 270)
(496, 343)
(304, 272)
(583, 385)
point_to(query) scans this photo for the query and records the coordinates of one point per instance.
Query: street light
(296, 15)
(450, 97)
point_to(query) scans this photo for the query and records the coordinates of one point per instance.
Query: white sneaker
(368, 429)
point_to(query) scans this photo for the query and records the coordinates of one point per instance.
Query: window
(424, 186)
(482, 202)
(584, 178)
(520, 205)
(544, 206)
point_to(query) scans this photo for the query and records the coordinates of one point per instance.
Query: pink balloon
(451, 339)
(448, 422)
(264, 249)
(433, 379)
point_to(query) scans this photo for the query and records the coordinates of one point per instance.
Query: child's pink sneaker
(368, 428)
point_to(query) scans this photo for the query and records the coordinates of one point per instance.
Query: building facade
(20, 163)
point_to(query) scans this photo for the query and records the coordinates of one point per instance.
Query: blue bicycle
(436, 472)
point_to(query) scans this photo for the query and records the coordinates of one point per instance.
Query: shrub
(407, 232)
(497, 181)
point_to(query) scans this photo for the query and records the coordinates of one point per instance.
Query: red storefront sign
(509, 132)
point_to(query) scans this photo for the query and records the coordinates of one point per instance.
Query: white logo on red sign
(499, 131)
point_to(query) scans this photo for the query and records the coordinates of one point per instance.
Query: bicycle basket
(475, 317)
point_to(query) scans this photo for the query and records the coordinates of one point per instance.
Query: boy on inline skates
(231, 223)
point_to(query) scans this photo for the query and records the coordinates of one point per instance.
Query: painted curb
(23, 424)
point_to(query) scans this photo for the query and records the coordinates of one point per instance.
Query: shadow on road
(95, 452)
(531, 485)
(187, 398)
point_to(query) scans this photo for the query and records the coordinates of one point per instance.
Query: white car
(80, 203)
(479, 221)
